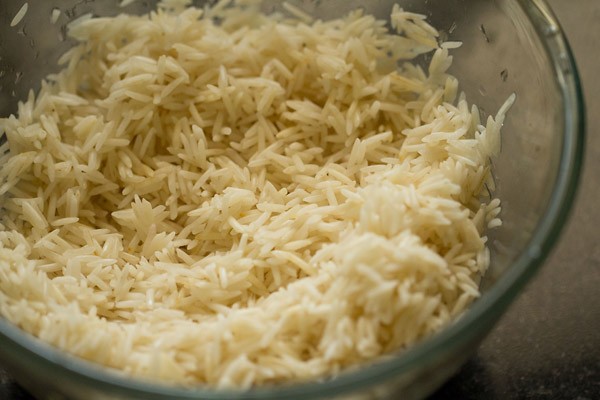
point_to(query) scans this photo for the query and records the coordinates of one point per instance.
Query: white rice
(244, 203)
(297, 12)
(125, 3)
(54, 15)
(19, 15)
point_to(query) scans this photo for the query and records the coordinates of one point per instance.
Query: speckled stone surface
(547, 346)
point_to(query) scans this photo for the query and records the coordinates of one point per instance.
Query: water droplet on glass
(551, 30)
(62, 34)
(535, 252)
(452, 28)
(564, 62)
(485, 34)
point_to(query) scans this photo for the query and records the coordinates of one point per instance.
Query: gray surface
(548, 344)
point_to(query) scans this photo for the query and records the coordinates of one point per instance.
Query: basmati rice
(19, 15)
(250, 202)
(125, 3)
(54, 15)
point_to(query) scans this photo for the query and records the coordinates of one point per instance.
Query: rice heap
(255, 200)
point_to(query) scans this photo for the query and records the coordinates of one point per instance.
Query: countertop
(547, 346)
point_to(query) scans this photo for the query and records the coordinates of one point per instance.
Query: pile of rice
(223, 197)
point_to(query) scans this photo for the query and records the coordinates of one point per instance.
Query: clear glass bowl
(509, 46)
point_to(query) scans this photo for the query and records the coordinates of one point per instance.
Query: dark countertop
(547, 346)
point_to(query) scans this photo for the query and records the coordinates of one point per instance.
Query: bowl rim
(24, 346)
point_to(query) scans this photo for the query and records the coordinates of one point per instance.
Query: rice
(54, 15)
(125, 3)
(297, 12)
(254, 201)
(19, 15)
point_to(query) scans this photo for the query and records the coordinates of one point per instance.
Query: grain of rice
(297, 12)
(19, 15)
(125, 3)
(199, 194)
(54, 15)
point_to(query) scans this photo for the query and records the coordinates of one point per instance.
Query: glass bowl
(508, 46)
